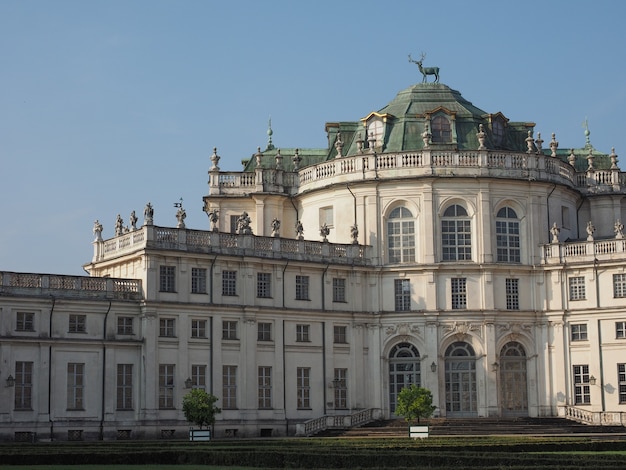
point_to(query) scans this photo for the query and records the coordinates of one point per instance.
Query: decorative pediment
(514, 329)
(384, 117)
(438, 109)
(461, 330)
(403, 329)
(497, 116)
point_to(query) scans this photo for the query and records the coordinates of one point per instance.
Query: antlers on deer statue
(426, 70)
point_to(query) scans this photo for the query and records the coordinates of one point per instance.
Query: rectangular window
(621, 380)
(303, 333)
(166, 386)
(512, 294)
(339, 334)
(167, 327)
(577, 288)
(77, 324)
(198, 376)
(234, 223)
(229, 283)
(459, 293)
(619, 285)
(265, 387)
(620, 329)
(582, 390)
(25, 321)
(303, 387)
(402, 291)
(23, 385)
(340, 385)
(167, 278)
(302, 287)
(198, 328)
(326, 216)
(124, 386)
(75, 386)
(579, 332)
(229, 329)
(264, 285)
(264, 332)
(229, 387)
(339, 289)
(124, 325)
(198, 280)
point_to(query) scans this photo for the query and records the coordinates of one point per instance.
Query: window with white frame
(401, 236)
(326, 216)
(620, 329)
(512, 294)
(340, 335)
(303, 333)
(264, 331)
(340, 384)
(166, 386)
(577, 288)
(339, 289)
(25, 321)
(507, 236)
(303, 387)
(124, 325)
(264, 285)
(198, 280)
(167, 327)
(302, 287)
(579, 332)
(229, 329)
(582, 389)
(229, 387)
(265, 387)
(456, 234)
(198, 376)
(75, 386)
(198, 328)
(458, 293)
(619, 285)
(124, 386)
(167, 278)
(402, 295)
(77, 324)
(621, 380)
(229, 283)
(23, 385)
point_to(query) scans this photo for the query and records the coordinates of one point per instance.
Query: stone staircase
(481, 427)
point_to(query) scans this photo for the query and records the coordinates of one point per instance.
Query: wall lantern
(188, 383)
(494, 367)
(592, 380)
(10, 381)
(433, 367)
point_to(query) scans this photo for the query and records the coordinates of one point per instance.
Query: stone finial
(555, 230)
(133, 221)
(296, 159)
(97, 231)
(324, 232)
(359, 143)
(530, 142)
(481, 137)
(426, 135)
(279, 160)
(148, 214)
(571, 158)
(554, 145)
(215, 159)
(339, 145)
(618, 228)
(590, 159)
(299, 231)
(119, 226)
(257, 156)
(590, 230)
(371, 140)
(275, 228)
(613, 158)
(539, 142)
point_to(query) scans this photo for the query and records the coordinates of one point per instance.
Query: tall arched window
(401, 235)
(507, 236)
(456, 235)
(513, 382)
(460, 376)
(440, 129)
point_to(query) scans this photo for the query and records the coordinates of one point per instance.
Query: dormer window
(375, 132)
(440, 129)
(497, 130)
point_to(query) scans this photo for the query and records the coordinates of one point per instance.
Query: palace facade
(431, 242)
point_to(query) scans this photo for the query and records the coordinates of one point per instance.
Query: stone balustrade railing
(597, 418)
(201, 241)
(69, 286)
(358, 418)
(557, 253)
(426, 162)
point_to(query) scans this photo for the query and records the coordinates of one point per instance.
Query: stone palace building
(431, 242)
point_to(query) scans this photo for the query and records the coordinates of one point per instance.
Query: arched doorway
(404, 370)
(513, 385)
(460, 380)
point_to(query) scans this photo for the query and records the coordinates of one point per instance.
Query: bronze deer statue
(426, 70)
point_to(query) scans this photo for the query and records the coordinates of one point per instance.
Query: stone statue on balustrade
(243, 224)
(214, 218)
(119, 226)
(618, 228)
(148, 214)
(324, 232)
(181, 215)
(555, 233)
(133, 221)
(354, 234)
(299, 230)
(97, 231)
(275, 228)
(590, 230)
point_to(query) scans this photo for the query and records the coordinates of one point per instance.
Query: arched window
(440, 129)
(401, 236)
(456, 235)
(404, 370)
(507, 236)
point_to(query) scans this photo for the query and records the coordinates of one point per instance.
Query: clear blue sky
(106, 105)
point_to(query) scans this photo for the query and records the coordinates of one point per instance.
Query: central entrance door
(513, 385)
(460, 380)
(404, 370)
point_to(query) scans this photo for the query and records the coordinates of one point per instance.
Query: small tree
(414, 403)
(199, 407)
